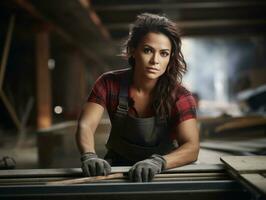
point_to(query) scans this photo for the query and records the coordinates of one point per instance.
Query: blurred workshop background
(51, 52)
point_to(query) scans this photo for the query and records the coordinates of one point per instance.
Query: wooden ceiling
(195, 17)
(97, 26)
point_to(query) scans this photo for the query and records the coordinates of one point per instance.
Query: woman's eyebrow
(165, 50)
(154, 48)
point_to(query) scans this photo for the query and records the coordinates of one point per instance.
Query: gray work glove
(145, 170)
(94, 166)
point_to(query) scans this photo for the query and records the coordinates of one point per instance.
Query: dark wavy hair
(163, 98)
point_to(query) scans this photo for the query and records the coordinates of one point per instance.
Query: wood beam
(7, 104)
(6, 50)
(43, 93)
(181, 5)
(199, 23)
(26, 5)
(11, 110)
(95, 18)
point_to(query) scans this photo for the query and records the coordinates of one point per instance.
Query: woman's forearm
(185, 154)
(87, 124)
(85, 138)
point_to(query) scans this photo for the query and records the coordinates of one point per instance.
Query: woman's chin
(152, 76)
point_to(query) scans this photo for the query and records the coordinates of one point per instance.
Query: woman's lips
(152, 69)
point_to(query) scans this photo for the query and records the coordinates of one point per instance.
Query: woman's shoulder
(185, 105)
(115, 74)
(181, 92)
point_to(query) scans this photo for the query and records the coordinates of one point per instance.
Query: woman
(148, 108)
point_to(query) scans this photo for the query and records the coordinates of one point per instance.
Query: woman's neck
(142, 85)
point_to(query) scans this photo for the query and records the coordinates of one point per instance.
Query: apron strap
(123, 105)
(122, 108)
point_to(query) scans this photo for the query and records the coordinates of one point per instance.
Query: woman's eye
(164, 54)
(147, 50)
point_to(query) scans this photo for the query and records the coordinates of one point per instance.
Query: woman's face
(152, 55)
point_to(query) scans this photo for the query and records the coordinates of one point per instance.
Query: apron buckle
(122, 109)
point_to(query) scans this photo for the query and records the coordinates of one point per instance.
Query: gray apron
(133, 139)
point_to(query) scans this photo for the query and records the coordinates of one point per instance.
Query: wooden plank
(241, 124)
(255, 143)
(248, 171)
(43, 181)
(158, 177)
(124, 176)
(245, 164)
(237, 146)
(75, 172)
(224, 146)
(257, 180)
(87, 179)
(114, 179)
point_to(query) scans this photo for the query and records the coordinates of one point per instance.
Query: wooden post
(11, 110)
(74, 68)
(6, 50)
(43, 94)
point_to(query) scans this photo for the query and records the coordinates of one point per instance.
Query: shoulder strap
(123, 106)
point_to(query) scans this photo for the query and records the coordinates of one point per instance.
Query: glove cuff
(159, 159)
(88, 155)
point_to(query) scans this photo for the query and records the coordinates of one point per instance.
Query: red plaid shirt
(106, 92)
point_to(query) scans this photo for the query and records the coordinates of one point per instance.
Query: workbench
(195, 181)
(250, 171)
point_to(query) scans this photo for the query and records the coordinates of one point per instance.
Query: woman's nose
(155, 58)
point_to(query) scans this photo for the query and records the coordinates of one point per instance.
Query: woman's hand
(94, 166)
(145, 170)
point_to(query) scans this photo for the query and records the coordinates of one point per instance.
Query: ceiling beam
(95, 18)
(181, 5)
(198, 24)
(26, 5)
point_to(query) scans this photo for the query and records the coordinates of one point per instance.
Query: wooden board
(249, 171)
(238, 146)
(76, 172)
(227, 147)
(255, 122)
(245, 164)
(257, 180)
